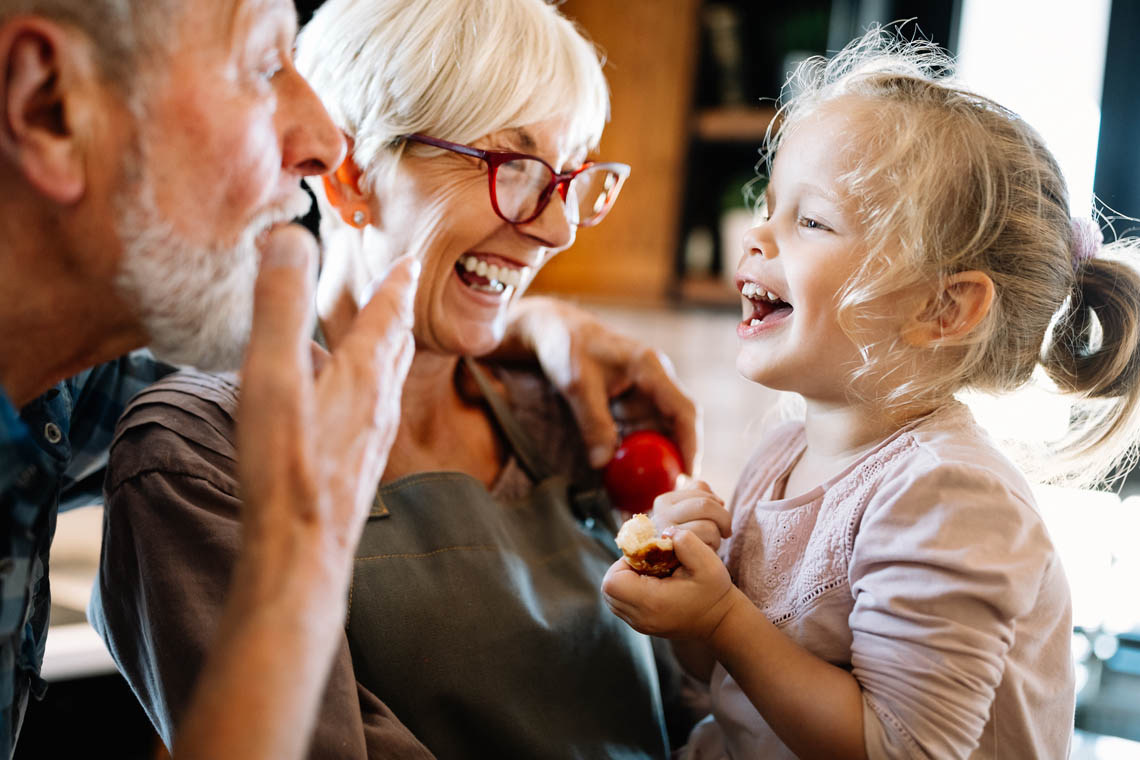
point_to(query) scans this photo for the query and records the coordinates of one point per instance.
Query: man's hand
(311, 448)
(591, 365)
(313, 445)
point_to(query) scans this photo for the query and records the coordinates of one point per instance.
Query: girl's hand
(687, 605)
(695, 508)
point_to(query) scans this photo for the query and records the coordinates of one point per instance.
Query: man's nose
(311, 142)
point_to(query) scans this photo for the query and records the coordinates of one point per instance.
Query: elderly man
(150, 151)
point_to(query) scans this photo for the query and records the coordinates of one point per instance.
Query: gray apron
(481, 625)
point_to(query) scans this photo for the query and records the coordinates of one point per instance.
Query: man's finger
(319, 356)
(282, 312)
(388, 314)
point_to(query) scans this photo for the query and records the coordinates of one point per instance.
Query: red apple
(645, 465)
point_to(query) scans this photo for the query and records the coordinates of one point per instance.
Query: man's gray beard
(195, 303)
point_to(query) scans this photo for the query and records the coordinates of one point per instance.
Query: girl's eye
(812, 224)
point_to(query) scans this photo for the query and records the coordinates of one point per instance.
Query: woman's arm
(591, 365)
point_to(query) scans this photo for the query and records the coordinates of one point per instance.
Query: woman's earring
(356, 216)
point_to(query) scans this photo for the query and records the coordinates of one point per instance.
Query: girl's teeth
(481, 269)
(752, 290)
(470, 263)
(754, 322)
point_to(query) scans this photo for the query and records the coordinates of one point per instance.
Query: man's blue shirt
(52, 456)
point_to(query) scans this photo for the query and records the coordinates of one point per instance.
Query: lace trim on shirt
(786, 559)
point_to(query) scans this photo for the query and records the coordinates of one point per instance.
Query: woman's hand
(689, 604)
(695, 508)
(590, 365)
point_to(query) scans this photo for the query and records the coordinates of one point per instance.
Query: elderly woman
(475, 625)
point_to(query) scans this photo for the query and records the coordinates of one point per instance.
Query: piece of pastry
(646, 551)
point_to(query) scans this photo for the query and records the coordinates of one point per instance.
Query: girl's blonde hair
(454, 69)
(947, 181)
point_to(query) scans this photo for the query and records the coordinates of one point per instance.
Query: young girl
(889, 589)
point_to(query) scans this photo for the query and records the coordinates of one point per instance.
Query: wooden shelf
(733, 123)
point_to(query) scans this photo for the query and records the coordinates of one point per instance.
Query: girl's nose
(758, 242)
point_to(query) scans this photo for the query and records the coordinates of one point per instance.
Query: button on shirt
(52, 456)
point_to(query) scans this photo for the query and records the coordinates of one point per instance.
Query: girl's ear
(950, 315)
(342, 189)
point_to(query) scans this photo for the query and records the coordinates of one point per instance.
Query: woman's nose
(552, 228)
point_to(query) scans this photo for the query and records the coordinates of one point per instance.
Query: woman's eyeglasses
(522, 185)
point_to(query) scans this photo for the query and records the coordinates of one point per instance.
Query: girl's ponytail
(1094, 353)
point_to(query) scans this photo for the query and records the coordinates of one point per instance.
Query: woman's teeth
(500, 277)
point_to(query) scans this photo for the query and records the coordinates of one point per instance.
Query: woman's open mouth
(762, 308)
(485, 273)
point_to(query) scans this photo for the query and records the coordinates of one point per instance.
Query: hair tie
(1087, 240)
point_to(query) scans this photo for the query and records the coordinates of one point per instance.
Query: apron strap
(589, 506)
(524, 448)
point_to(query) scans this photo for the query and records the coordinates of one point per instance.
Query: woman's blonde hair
(947, 181)
(455, 69)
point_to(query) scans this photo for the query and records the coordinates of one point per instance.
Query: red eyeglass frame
(558, 180)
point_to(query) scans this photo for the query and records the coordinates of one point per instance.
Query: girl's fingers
(692, 508)
(694, 555)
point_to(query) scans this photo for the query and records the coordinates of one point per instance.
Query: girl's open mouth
(762, 307)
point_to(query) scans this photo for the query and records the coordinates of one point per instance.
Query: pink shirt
(925, 570)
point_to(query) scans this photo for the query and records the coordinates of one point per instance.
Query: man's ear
(951, 314)
(43, 67)
(342, 189)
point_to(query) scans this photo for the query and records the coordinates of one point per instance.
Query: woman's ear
(48, 74)
(951, 314)
(342, 189)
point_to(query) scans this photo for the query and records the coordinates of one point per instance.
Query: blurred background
(693, 88)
